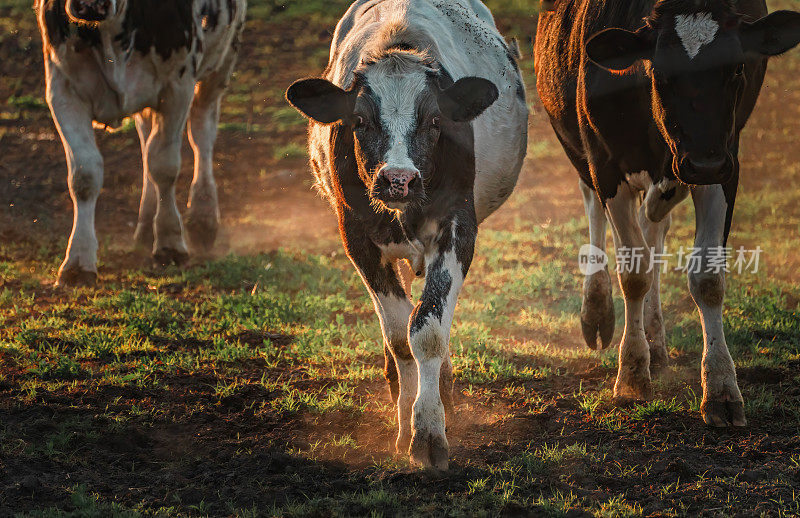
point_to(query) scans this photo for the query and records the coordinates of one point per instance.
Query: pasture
(251, 384)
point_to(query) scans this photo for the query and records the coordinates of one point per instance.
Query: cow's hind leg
(655, 233)
(85, 169)
(202, 216)
(143, 236)
(655, 219)
(163, 159)
(722, 401)
(633, 259)
(597, 308)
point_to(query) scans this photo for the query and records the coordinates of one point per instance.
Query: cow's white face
(399, 113)
(396, 137)
(92, 11)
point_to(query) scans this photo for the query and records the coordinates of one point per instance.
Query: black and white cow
(166, 61)
(417, 133)
(651, 96)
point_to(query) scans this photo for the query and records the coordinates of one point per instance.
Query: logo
(592, 260)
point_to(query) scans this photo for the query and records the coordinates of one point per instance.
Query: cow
(648, 99)
(165, 62)
(417, 133)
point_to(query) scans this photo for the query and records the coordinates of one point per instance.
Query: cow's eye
(740, 69)
(436, 121)
(359, 122)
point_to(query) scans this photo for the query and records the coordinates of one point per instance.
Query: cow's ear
(321, 100)
(467, 98)
(617, 49)
(773, 34)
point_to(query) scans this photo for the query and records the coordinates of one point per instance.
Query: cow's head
(91, 11)
(696, 53)
(397, 110)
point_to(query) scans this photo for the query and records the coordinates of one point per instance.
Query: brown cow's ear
(467, 98)
(773, 34)
(617, 50)
(321, 100)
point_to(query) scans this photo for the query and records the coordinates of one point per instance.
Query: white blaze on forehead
(695, 30)
(397, 96)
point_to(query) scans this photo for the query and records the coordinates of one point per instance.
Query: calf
(166, 61)
(417, 133)
(652, 95)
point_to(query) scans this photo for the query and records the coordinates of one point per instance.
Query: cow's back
(466, 43)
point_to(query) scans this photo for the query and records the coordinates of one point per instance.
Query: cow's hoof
(169, 256)
(597, 310)
(143, 236)
(429, 450)
(721, 414)
(633, 389)
(403, 442)
(201, 232)
(75, 277)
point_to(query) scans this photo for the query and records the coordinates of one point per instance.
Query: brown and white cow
(418, 132)
(166, 62)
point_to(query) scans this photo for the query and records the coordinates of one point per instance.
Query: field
(251, 384)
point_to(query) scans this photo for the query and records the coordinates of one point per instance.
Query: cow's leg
(73, 120)
(655, 234)
(406, 275)
(202, 217)
(655, 218)
(429, 336)
(163, 159)
(143, 236)
(394, 310)
(597, 309)
(722, 400)
(633, 376)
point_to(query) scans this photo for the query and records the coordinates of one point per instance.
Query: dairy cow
(417, 133)
(650, 96)
(166, 62)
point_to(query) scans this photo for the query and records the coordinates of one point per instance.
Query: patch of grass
(655, 408)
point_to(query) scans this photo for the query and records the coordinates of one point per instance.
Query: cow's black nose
(707, 166)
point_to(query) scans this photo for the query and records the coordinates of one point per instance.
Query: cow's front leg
(633, 259)
(73, 120)
(722, 400)
(394, 310)
(163, 160)
(429, 336)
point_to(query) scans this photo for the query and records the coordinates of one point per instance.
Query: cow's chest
(414, 249)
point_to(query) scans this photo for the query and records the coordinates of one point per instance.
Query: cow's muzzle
(396, 187)
(89, 10)
(709, 170)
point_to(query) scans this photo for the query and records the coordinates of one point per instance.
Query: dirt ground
(206, 454)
